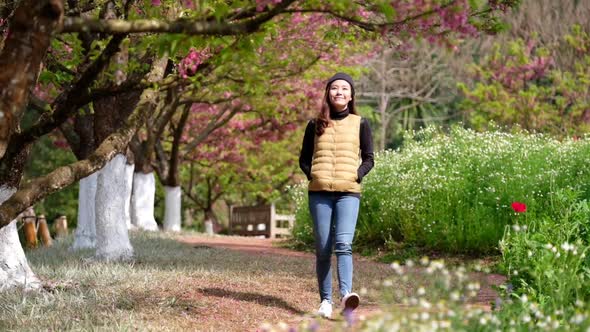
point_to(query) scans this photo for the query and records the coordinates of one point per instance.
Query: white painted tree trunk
(85, 236)
(128, 190)
(172, 219)
(209, 227)
(14, 268)
(112, 236)
(142, 201)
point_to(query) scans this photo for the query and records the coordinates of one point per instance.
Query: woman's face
(340, 94)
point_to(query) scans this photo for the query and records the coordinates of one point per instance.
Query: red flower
(518, 207)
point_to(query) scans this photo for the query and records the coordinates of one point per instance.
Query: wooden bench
(259, 220)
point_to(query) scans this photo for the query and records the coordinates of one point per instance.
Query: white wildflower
(424, 261)
(425, 304)
(421, 291)
(577, 319)
(567, 247)
(396, 267)
(424, 316)
(473, 286)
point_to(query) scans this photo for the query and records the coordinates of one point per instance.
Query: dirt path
(260, 247)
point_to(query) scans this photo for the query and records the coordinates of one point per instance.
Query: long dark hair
(323, 119)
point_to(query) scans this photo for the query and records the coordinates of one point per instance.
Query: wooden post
(30, 231)
(43, 231)
(61, 227)
(273, 221)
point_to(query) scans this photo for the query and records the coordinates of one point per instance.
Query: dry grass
(173, 286)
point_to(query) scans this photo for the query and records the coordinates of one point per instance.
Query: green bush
(547, 260)
(302, 233)
(62, 202)
(453, 191)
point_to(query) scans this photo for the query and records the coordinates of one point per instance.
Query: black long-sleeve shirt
(366, 146)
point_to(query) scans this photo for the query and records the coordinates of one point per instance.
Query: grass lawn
(173, 286)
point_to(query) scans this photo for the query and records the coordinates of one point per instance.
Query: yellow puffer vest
(336, 157)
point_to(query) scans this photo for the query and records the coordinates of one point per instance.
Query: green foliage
(547, 262)
(453, 192)
(47, 158)
(302, 237)
(518, 84)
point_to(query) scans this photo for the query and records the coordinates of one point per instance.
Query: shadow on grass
(157, 251)
(162, 251)
(266, 300)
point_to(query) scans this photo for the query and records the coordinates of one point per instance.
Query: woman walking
(336, 154)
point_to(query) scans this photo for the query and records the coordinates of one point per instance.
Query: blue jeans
(334, 220)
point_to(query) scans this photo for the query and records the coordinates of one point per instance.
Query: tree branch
(370, 26)
(38, 188)
(70, 100)
(184, 26)
(211, 126)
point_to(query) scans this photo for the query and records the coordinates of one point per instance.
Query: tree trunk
(142, 201)
(85, 236)
(112, 192)
(210, 222)
(172, 219)
(112, 237)
(31, 28)
(383, 103)
(188, 219)
(129, 168)
(384, 125)
(14, 268)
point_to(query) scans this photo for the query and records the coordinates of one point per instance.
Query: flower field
(522, 195)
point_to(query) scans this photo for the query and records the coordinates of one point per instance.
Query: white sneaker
(325, 309)
(350, 301)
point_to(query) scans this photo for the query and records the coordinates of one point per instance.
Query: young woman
(337, 153)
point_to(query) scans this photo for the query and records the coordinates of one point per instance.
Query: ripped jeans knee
(343, 248)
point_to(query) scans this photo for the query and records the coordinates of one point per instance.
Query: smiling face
(340, 93)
